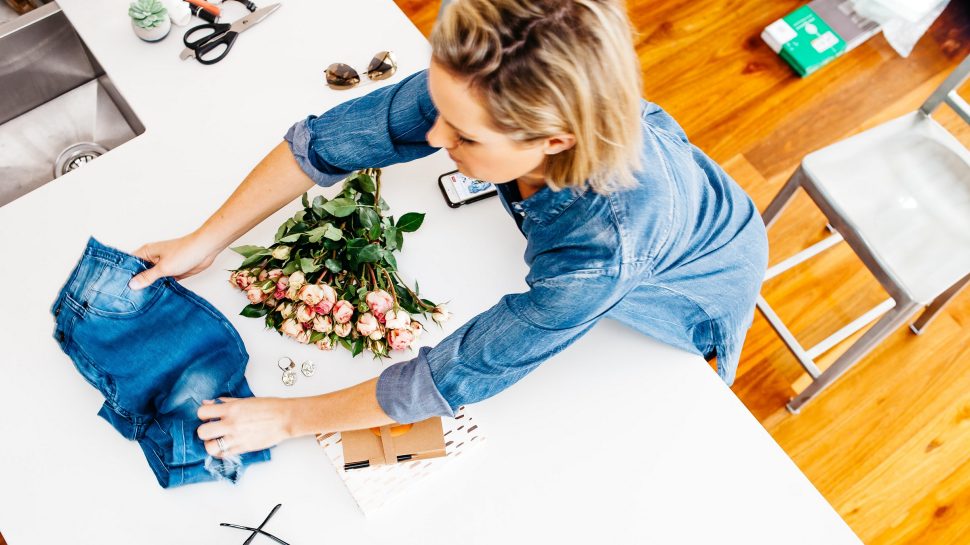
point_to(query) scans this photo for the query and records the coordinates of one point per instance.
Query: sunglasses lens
(382, 66)
(342, 76)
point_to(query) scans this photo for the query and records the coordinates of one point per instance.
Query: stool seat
(905, 187)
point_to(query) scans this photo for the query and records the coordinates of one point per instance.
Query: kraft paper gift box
(393, 444)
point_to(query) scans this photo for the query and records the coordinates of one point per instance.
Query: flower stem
(417, 299)
(390, 284)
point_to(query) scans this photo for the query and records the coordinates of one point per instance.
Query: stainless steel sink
(58, 108)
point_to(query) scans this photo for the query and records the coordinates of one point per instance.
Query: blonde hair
(546, 67)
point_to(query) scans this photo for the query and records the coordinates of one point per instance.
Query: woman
(624, 217)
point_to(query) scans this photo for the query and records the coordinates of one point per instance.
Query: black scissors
(223, 34)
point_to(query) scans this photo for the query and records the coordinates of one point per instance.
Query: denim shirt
(679, 257)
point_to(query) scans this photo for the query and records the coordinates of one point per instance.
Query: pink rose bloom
(275, 274)
(342, 330)
(367, 324)
(271, 302)
(255, 295)
(440, 314)
(325, 344)
(400, 339)
(322, 323)
(242, 279)
(282, 283)
(381, 317)
(416, 328)
(304, 313)
(279, 294)
(292, 292)
(343, 311)
(297, 279)
(377, 335)
(291, 327)
(379, 301)
(303, 337)
(286, 310)
(397, 319)
(328, 300)
(311, 294)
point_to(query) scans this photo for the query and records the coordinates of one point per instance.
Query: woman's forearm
(352, 408)
(272, 184)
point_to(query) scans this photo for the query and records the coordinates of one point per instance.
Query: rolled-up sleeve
(385, 127)
(500, 346)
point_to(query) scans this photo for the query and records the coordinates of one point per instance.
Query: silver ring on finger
(222, 444)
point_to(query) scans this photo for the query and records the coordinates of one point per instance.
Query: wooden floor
(889, 444)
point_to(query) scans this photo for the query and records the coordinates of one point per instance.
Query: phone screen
(461, 189)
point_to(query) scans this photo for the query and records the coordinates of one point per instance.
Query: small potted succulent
(149, 19)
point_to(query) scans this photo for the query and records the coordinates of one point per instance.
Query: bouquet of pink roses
(330, 277)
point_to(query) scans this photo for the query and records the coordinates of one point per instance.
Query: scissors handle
(220, 35)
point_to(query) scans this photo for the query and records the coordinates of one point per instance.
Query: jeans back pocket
(110, 295)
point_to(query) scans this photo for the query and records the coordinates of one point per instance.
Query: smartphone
(459, 189)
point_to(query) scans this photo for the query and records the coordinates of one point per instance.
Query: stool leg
(937, 305)
(888, 323)
(783, 197)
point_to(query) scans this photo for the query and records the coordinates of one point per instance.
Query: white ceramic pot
(155, 33)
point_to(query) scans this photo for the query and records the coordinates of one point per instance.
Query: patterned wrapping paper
(375, 487)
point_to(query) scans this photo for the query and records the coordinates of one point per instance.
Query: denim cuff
(298, 137)
(407, 393)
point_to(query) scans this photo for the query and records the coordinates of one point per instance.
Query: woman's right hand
(178, 257)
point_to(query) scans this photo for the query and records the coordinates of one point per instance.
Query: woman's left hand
(245, 425)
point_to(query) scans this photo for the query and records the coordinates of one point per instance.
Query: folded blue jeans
(154, 354)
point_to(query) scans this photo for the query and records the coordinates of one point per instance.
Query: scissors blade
(253, 18)
(187, 53)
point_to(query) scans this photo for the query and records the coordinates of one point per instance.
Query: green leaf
(279, 233)
(366, 183)
(268, 286)
(317, 233)
(254, 311)
(333, 265)
(368, 218)
(291, 267)
(251, 260)
(305, 201)
(384, 206)
(308, 266)
(410, 222)
(250, 250)
(390, 259)
(340, 208)
(298, 217)
(318, 201)
(333, 233)
(344, 342)
(369, 254)
(316, 336)
(354, 245)
(357, 348)
(399, 239)
(390, 238)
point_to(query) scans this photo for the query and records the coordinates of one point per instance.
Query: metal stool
(899, 195)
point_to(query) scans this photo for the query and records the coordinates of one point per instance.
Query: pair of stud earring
(288, 366)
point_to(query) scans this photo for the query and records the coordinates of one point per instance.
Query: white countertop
(618, 439)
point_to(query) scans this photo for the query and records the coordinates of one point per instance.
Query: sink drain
(76, 156)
